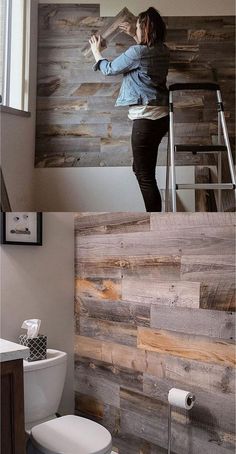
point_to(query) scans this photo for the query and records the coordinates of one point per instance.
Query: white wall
(166, 7)
(38, 282)
(17, 138)
(100, 189)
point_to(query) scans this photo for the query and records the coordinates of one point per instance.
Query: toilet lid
(71, 435)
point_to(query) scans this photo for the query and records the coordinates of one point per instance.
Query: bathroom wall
(154, 309)
(38, 282)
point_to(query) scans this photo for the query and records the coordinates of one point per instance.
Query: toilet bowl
(43, 386)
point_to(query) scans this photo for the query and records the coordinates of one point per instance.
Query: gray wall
(38, 282)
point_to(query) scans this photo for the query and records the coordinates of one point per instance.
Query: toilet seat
(71, 435)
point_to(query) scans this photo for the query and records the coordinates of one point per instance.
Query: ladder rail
(222, 128)
(219, 166)
(226, 138)
(166, 206)
(172, 153)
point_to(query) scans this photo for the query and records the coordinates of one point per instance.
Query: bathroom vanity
(12, 397)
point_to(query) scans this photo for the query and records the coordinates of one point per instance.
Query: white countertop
(10, 350)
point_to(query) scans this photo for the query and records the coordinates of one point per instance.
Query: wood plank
(187, 220)
(106, 330)
(116, 311)
(185, 346)
(72, 131)
(99, 288)
(194, 321)
(209, 376)
(115, 354)
(219, 295)
(101, 389)
(197, 268)
(124, 441)
(164, 268)
(152, 291)
(204, 199)
(89, 405)
(114, 373)
(81, 117)
(68, 159)
(106, 223)
(196, 240)
(64, 17)
(112, 28)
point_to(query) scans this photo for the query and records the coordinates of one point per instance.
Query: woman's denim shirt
(144, 72)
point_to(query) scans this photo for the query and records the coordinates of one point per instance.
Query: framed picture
(21, 228)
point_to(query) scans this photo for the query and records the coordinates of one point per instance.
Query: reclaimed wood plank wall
(154, 309)
(77, 123)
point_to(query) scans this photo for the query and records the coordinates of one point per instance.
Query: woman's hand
(128, 28)
(96, 43)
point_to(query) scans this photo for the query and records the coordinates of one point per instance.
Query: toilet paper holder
(181, 399)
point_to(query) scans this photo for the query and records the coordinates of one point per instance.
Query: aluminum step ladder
(194, 149)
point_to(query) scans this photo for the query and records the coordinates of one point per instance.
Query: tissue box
(37, 346)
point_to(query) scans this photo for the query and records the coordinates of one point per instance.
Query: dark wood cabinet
(12, 408)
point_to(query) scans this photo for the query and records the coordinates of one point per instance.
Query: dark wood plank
(114, 373)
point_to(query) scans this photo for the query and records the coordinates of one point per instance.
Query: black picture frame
(38, 233)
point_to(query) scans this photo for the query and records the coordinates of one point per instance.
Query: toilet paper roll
(180, 398)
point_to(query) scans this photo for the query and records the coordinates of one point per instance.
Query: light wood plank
(180, 293)
(187, 220)
(185, 346)
(117, 222)
(179, 240)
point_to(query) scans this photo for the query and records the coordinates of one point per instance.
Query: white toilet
(43, 386)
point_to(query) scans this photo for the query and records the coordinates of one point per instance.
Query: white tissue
(32, 327)
(180, 398)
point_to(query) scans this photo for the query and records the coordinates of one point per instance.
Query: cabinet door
(12, 408)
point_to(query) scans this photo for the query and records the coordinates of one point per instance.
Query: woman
(144, 67)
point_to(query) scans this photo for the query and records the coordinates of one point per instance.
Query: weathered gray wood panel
(194, 321)
(122, 312)
(153, 310)
(180, 293)
(202, 49)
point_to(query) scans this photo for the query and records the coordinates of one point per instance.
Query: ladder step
(194, 86)
(200, 148)
(206, 186)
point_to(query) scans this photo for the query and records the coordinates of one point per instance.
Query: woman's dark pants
(146, 137)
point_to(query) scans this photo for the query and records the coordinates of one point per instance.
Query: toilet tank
(43, 385)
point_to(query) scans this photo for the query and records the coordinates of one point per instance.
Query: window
(14, 50)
